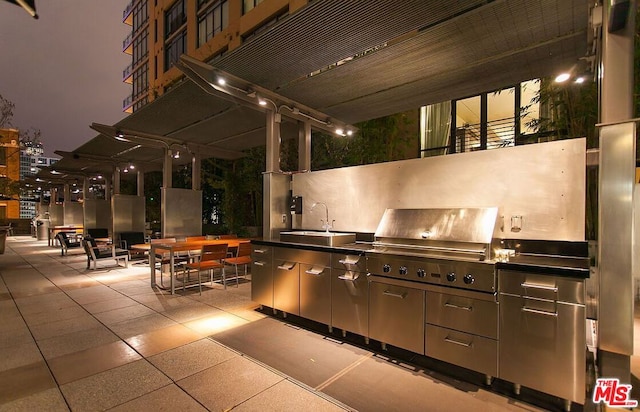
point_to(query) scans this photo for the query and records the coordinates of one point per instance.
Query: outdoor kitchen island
(429, 300)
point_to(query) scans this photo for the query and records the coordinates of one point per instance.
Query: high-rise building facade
(32, 159)
(162, 30)
(9, 173)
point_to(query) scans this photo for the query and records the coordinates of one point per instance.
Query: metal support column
(196, 175)
(167, 169)
(107, 188)
(66, 193)
(271, 191)
(116, 180)
(140, 180)
(273, 143)
(304, 146)
(616, 188)
(85, 189)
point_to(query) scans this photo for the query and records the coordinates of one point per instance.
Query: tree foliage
(6, 112)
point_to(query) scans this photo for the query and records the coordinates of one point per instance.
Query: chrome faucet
(325, 223)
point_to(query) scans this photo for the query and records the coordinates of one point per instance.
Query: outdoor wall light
(177, 155)
(262, 102)
(563, 77)
(580, 80)
(131, 167)
(221, 81)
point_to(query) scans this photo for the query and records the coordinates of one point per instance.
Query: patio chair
(66, 243)
(99, 232)
(106, 252)
(243, 257)
(211, 257)
(127, 239)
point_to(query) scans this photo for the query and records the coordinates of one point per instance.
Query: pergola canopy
(353, 61)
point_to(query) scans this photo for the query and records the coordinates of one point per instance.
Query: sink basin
(318, 238)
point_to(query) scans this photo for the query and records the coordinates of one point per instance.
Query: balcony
(127, 104)
(127, 14)
(127, 74)
(127, 44)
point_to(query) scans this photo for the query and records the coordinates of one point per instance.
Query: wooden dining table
(174, 247)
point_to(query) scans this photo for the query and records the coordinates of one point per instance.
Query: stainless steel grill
(448, 247)
(433, 285)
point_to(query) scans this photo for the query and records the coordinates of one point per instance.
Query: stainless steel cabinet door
(315, 293)
(542, 346)
(262, 282)
(396, 316)
(350, 301)
(286, 287)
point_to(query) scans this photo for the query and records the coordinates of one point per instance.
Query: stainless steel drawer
(261, 275)
(558, 288)
(349, 262)
(465, 314)
(261, 252)
(463, 349)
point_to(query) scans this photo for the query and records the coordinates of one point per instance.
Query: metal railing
(127, 10)
(126, 73)
(127, 42)
(500, 133)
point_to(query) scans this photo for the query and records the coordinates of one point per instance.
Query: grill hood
(456, 231)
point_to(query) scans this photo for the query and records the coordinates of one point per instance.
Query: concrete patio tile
(75, 342)
(229, 384)
(168, 398)
(114, 387)
(49, 400)
(139, 325)
(287, 396)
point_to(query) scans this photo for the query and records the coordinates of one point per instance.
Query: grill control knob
(469, 279)
(451, 277)
(421, 273)
(386, 268)
(403, 270)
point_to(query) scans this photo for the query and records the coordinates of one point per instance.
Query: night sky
(64, 70)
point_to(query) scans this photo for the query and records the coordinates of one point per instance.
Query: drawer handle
(350, 278)
(314, 271)
(347, 261)
(259, 263)
(540, 312)
(457, 342)
(451, 305)
(260, 250)
(395, 295)
(287, 266)
(541, 287)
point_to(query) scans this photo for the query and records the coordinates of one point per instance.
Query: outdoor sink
(318, 238)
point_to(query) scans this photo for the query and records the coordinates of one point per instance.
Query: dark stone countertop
(357, 248)
(548, 265)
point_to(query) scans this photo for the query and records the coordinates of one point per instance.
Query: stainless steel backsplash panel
(542, 184)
